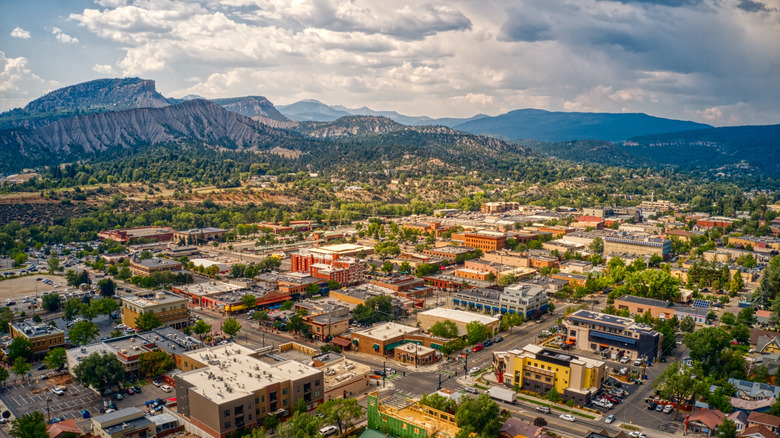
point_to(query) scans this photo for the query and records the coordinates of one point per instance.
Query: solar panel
(701, 304)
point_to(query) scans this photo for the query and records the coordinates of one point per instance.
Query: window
(227, 413)
(547, 379)
(227, 425)
(284, 391)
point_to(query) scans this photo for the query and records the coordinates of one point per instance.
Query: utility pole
(384, 373)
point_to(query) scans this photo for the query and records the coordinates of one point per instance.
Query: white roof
(460, 315)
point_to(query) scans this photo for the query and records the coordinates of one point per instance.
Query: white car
(668, 409)
(624, 359)
(567, 417)
(637, 434)
(328, 430)
(57, 390)
(609, 419)
(166, 388)
(473, 371)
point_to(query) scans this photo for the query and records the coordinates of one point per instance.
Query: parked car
(659, 408)
(166, 388)
(118, 396)
(328, 430)
(477, 347)
(668, 409)
(567, 417)
(638, 363)
(637, 434)
(651, 405)
(137, 389)
(157, 382)
(471, 389)
(610, 418)
(41, 367)
(474, 370)
(487, 343)
(130, 391)
(498, 339)
(57, 390)
(624, 359)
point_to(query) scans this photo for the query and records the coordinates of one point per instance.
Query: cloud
(520, 25)
(18, 82)
(63, 37)
(753, 6)
(18, 32)
(103, 69)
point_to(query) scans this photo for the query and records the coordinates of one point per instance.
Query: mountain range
(84, 120)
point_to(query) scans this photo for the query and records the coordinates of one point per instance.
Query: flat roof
(33, 329)
(150, 263)
(460, 315)
(231, 373)
(208, 288)
(154, 299)
(645, 301)
(388, 330)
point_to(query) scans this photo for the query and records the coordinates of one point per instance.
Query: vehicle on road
(487, 343)
(505, 395)
(471, 389)
(543, 409)
(380, 373)
(57, 390)
(118, 396)
(473, 370)
(166, 388)
(41, 367)
(498, 339)
(668, 409)
(610, 418)
(477, 347)
(638, 363)
(637, 434)
(624, 359)
(567, 417)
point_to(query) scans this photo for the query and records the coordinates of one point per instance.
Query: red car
(477, 348)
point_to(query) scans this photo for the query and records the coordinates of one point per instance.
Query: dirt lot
(28, 286)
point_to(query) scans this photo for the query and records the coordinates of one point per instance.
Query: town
(512, 321)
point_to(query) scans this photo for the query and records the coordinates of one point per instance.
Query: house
(754, 390)
(757, 432)
(746, 406)
(64, 429)
(771, 422)
(763, 317)
(517, 428)
(765, 341)
(739, 418)
(128, 422)
(704, 421)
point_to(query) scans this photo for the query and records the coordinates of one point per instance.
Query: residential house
(517, 428)
(704, 421)
(771, 422)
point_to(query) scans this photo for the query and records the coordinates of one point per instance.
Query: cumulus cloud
(63, 37)
(18, 32)
(18, 82)
(103, 69)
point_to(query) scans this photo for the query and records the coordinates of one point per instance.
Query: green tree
(19, 259)
(596, 245)
(444, 329)
(300, 425)
(77, 279)
(155, 363)
(677, 382)
(116, 333)
(201, 328)
(510, 320)
(476, 332)
(30, 425)
(52, 302)
(438, 402)
(507, 279)
(4, 375)
(728, 318)
(287, 305)
(737, 283)
(746, 316)
(99, 371)
(55, 358)
(727, 429)
(72, 309)
(249, 301)
(107, 287)
(105, 306)
(342, 412)
(6, 317)
(261, 317)
(333, 285)
(84, 332)
(312, 289)
(553, 395)
(54, 265)
(231, 327)
(387, 268)
(741, 333)
(147, 321)
(19, 347)
(687, 324)
(21, 367)
(705, 344)
(478, 416)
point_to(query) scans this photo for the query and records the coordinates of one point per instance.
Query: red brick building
(330, 263)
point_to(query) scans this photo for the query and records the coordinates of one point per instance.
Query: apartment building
(170, 309)
(485, 240)
(228, 388)
(43, 337)
(612, 336)
(756, 242)
(639, 305)
(637, 245)
(335, 262)
(404, 418)
(449, 253)
(535, 368)
(498, 207)
(509, 258)
(529, 301)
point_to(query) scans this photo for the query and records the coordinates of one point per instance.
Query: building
(434, 228)
(550, 285)
(517, 428)
(765, 242)
(712, 222)
(484, 240)
(195, 293)
(704, 421)
(233, 301)
(343, 378)
(461, 319)
(509, 258)
(170, 309)
(227, 389)
(335, 262)
(381, 339)
(129, 235)
(64, 429)
(699, 315)
(199, 236)
(449, 253)
(611, 335)
(43, 337)
(498, 207)
(628, 244)
(639, 305)
(325, 326)
(573, 279)
(480, 299)
(414, 353)
(535, 368)
(404, 418)
(124, 423)
(529, 301)
(585, 222)
(139, 266)
(406, 286)
(221, 268)
(771, 422)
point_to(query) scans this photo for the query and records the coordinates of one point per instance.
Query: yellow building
(535, 368)
(43, 337)
(170, 309)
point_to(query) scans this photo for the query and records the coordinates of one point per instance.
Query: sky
(710, 61)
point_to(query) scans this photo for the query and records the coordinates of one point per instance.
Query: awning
(340, 341)
(569, 342)
(572, 339)
(603, 346)
(495, 308)
(471, 304)
(376, 346)
(479, 305)
(455, 300)
(435, 346)
(503, 310)
(389, 347)
(511, 310)
(415, 342)
(355, 341)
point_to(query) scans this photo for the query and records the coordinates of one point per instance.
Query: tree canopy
(99, 371)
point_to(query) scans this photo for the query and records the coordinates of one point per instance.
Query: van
(543, 409)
